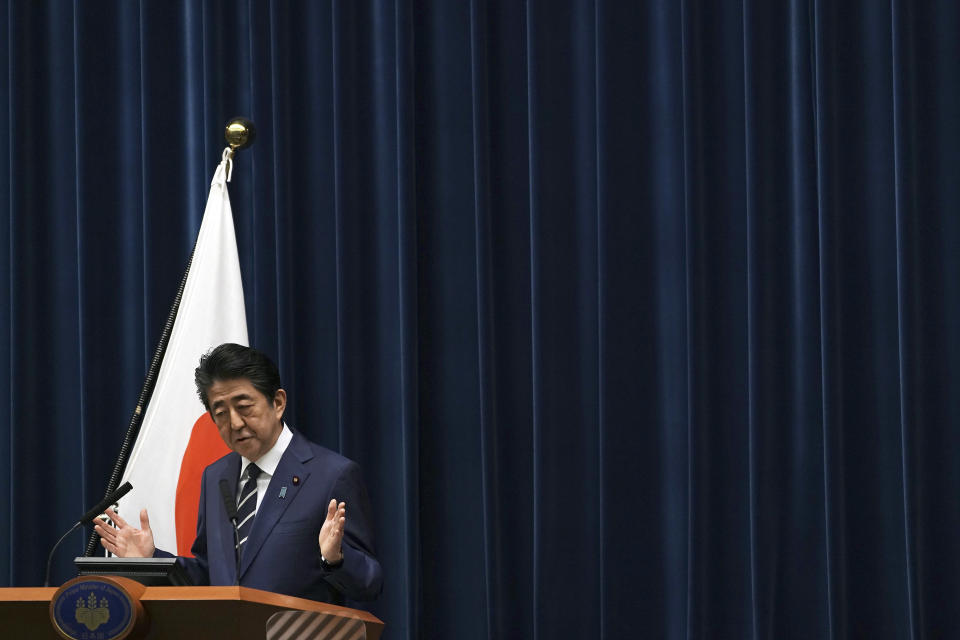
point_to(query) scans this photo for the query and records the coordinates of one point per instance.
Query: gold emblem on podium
(99, 608)
(91, 614)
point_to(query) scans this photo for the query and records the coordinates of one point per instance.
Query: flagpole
(239, 134)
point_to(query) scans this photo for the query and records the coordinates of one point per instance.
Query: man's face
(248, 422)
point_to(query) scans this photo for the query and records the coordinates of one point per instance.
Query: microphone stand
(230, 504)
(46, 579)
(112, 497)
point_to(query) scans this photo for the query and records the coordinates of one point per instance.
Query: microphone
(230, 504)
(87, 517)
(106, 502)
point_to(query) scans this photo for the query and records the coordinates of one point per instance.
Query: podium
(192, 612)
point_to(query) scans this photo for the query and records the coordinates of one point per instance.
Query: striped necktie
(247, 508)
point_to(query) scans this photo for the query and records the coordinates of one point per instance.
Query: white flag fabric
(177, 438)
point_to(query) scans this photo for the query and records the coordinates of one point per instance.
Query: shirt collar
(268, 462)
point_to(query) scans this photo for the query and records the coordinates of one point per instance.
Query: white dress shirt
(268, 465)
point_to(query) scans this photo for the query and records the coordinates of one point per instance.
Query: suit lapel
(273, 506)
(231, 474)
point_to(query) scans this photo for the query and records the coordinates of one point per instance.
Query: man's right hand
(126, 541)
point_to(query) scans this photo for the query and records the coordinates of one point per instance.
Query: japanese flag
(178, 438)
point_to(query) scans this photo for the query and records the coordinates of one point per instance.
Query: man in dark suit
(295, 537)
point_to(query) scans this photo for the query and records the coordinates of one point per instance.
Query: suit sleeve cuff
(330, 567)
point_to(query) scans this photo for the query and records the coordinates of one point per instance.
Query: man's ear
(280, 403)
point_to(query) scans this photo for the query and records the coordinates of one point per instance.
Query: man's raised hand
(126, 541)
(331, 533)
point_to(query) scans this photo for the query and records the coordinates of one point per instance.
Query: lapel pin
(283, 492)
(296, 480)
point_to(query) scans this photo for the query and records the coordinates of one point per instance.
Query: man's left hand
(331, 533)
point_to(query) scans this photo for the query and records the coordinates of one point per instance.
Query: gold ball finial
(240, 133)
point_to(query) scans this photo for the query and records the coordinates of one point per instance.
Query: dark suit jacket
(282, 553)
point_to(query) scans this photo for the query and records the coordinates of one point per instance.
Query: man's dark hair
(233, 361)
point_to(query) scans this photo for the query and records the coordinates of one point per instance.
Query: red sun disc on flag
(205, 446)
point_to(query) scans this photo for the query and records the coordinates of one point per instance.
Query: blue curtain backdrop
(641, 317)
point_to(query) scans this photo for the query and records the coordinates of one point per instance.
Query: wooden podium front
(179, 612)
